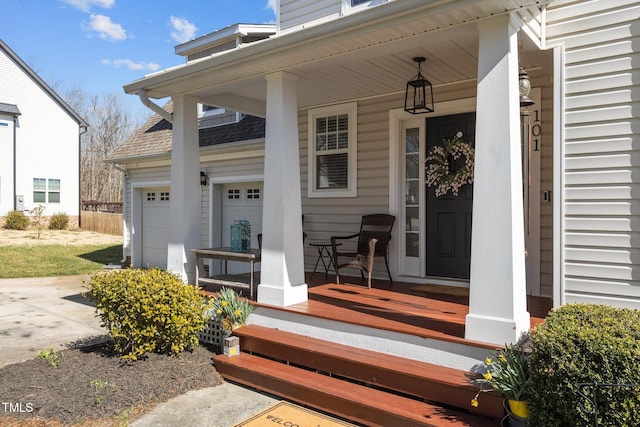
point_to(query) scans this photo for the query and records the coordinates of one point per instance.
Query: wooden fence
(102, 222)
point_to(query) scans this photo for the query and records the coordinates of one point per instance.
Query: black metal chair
(373, 241)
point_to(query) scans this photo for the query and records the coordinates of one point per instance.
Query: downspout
(83, 130)
(142, 94)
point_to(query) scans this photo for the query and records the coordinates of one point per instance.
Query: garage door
(155, 227)
(241, 202)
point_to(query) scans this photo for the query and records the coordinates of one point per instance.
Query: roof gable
(42, 84)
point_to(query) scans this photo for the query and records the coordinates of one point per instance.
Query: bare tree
(110, 125)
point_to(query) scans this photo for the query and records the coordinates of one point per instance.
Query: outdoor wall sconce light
(418, 97)
(204, 180)
(525, 88)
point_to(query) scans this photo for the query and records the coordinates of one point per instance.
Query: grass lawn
(56, 260)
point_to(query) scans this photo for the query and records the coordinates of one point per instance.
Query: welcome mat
(442, 290)
(289, 414)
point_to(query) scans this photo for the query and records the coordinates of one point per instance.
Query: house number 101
(536, 130)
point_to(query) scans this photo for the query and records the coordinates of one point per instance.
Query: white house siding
(602, 245)
(294, 13)
(47, 139)
(6, 163)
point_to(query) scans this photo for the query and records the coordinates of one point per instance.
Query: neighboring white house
(39, 143)
(567, 230)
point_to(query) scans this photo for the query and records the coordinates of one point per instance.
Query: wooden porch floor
(428, 311)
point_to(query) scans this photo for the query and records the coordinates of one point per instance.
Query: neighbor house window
(39, 190)
(332, 151)
(53, 195)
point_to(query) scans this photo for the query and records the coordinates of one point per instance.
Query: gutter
(142, 94)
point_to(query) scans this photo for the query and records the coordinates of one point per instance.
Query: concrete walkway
(40, 313)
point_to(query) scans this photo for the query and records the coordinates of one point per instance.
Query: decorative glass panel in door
(413, 189)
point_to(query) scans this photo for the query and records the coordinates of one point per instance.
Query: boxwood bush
(16, 220)
(59, 221)
(586, 343)
(148, 310)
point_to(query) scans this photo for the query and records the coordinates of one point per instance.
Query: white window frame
(51, 190)
(348, 7)
(351, 109)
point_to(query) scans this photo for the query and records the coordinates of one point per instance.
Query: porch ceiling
(358, 56)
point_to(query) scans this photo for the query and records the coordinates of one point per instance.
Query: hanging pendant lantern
(418, 97)
(524, 85)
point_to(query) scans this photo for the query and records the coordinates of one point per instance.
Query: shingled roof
(154, 137)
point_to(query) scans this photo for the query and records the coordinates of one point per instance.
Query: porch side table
(325, 256)
(251, 256)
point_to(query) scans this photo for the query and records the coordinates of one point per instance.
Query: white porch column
(282, 281)
(497, 303)
(184, 201)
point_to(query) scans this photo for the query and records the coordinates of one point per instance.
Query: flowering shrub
(507, 372)
(440, 171)
(231, 309)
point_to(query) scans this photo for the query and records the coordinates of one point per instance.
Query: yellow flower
(487, 376)
(238, 312)
(474, 403)
(501, 358)
(218, 311)
(223, 303)
(488, 361)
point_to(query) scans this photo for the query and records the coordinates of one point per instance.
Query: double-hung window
(46, 190)
(332, 151)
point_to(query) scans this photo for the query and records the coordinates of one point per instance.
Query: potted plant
(231, 310)
(507, 372)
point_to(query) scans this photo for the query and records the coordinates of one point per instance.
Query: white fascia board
(221, 36)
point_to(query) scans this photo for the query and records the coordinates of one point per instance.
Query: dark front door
(449, 216)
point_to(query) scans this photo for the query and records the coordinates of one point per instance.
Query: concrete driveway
(40, 313)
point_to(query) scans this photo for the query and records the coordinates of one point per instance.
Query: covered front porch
(356, 67)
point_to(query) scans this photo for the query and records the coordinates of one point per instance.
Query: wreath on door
(440, 165)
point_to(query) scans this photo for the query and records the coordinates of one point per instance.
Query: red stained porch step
(351, 401)
(435, 384)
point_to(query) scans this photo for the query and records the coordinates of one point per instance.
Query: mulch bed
(94, 383)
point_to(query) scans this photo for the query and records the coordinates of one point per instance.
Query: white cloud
(106, 29)
(131, 65)
(271, 4)
(85, 5)
(183, 30)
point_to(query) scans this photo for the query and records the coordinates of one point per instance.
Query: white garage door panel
(241, 202)
(155, 227)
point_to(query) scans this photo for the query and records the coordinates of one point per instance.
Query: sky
(101, 45)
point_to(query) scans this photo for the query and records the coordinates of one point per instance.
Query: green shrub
(579, 344)
(16, 220)
(59, 221)
(148, 310)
